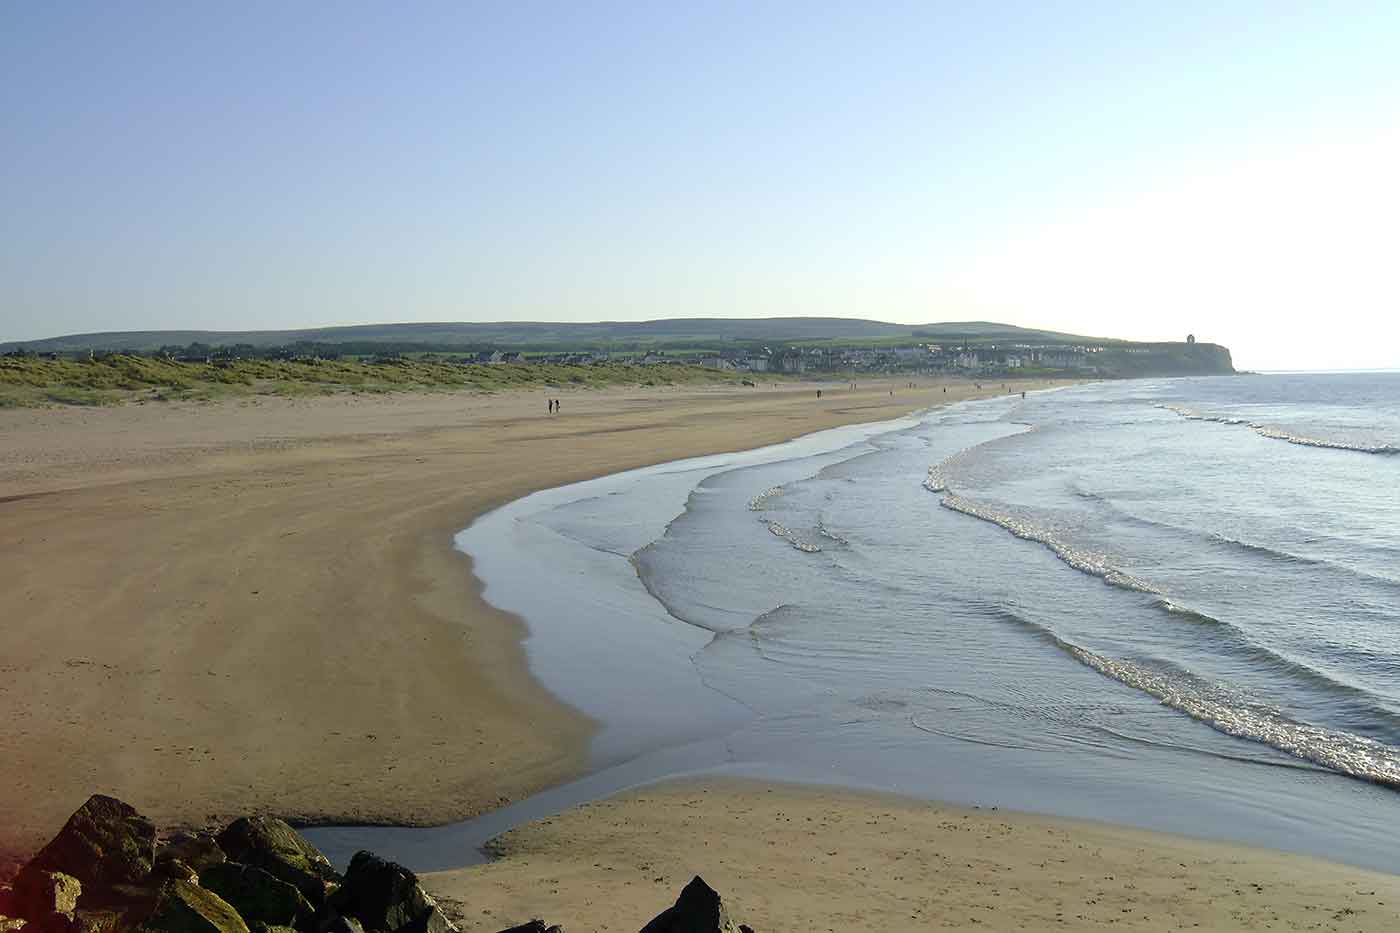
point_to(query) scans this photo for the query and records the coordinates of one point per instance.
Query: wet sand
(795, 858)
(215, 609)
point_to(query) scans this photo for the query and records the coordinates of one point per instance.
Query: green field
(671, 335)
(30, 381)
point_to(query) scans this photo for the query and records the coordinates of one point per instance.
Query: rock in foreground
(183, 907)
(535, 926)
(104, 843)
(699, 909)
(103, 874)
(272, 845)
(256, 895)
(386, 897)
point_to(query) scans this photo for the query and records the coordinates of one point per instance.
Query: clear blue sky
(1127, 169)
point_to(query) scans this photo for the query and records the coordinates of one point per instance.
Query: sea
(1172, 604)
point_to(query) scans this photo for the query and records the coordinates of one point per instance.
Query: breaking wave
(1224, 709)
(1278, 434)
(1235, 714)
(1085, 561)
(791, 537)
(760, 502)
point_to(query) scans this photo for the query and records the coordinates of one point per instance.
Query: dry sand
(789, 859)
(215, 609)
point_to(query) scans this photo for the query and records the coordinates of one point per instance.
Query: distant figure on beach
(819, 393)
(1023, 395)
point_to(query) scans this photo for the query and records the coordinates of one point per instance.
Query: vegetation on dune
(618, 336)
(32, 381)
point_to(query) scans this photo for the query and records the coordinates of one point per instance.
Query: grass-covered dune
(33, 381)
(712, 333)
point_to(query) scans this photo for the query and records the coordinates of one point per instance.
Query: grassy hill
(159, 365)
(618, 335)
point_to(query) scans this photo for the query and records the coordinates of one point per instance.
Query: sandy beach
(795, 858)
(255, 606)
(221, 609)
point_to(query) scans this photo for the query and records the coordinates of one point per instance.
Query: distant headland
(754, 345)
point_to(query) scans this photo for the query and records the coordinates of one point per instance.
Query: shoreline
(219, 668)
(699, 754)
(792, 856)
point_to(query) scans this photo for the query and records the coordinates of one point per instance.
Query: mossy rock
(257, 895)
(183, 907)
(104, 843)
(271, 844)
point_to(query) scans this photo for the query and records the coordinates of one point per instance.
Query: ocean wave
(1239, 642)
(830, 535)
(1266, 552)
(937, 479)
(1278, 434)
(760, 502)
(1352, 755)
(1304, 441)
(1083, 560)
(1359, 701)
(1190, 414)
(1231, 712)
(791, 537)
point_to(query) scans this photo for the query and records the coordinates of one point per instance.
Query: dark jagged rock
(187, 908)
(339, 924)
(434, 921)
(104, 843)
(380, 894)
(101, 920)
(699, 909)
(196, 850)
(270, 928)
(535, 926)
(385, 896)
(257, 895)
(270, 844)
(173, 869)
(43, 897)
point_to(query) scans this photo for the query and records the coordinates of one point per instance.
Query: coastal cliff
(1164, 359)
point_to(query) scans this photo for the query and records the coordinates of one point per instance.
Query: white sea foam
(1277, 434)
(1227, 712)
(1080, 559)
(760, 502)
(791, 537)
